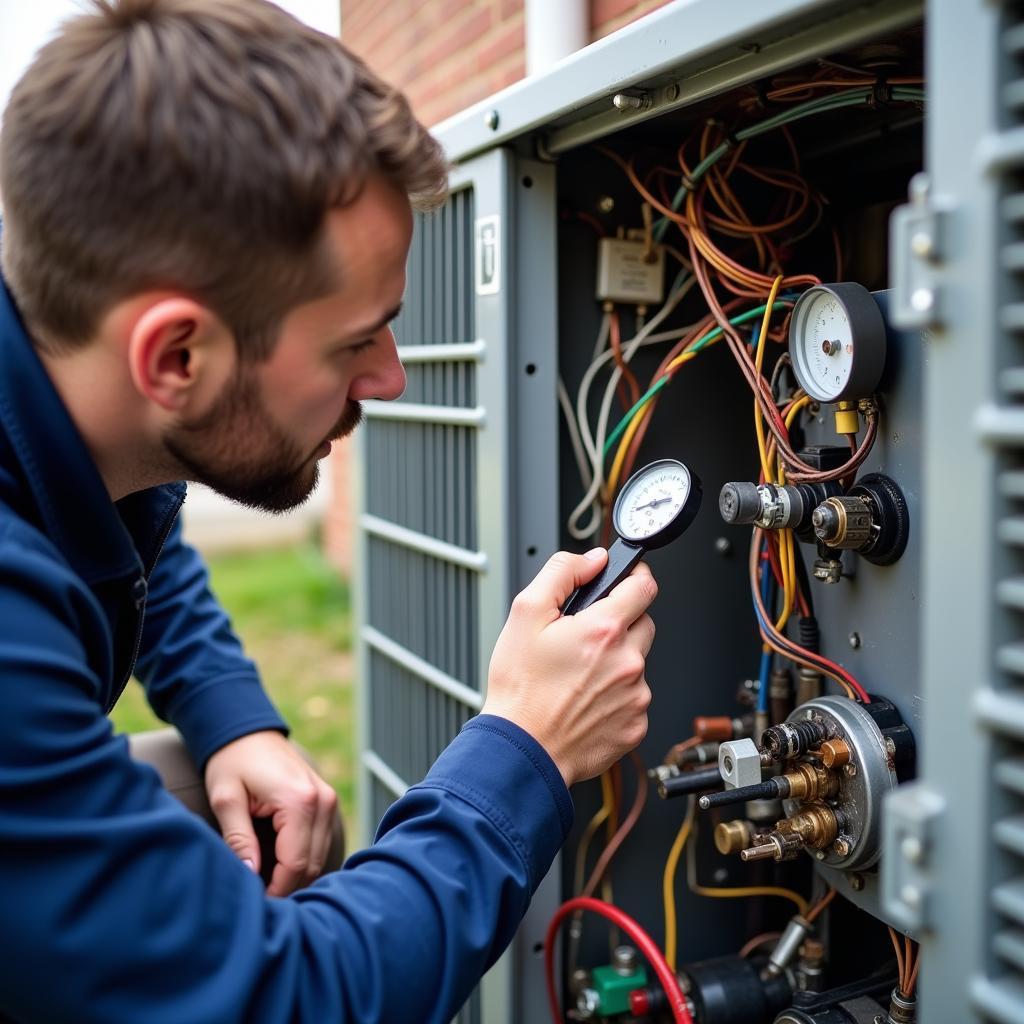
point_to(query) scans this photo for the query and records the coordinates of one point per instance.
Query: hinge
(915, 251)
(910, 819)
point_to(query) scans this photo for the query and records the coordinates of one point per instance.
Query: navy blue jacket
(118, 905)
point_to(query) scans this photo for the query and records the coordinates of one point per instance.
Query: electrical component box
(630, 271)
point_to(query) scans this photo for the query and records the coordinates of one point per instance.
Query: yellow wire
(638, 418)
(668, 888)
(627, 437)
(581, 851)
(612, 823)
(787, 544)
(743, 890)
(758, 360)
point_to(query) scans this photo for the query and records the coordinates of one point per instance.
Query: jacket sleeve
(119, 906)
(191, 663)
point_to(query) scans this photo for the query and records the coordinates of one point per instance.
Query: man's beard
(237, 450)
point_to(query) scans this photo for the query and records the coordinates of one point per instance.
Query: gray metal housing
(461, 493)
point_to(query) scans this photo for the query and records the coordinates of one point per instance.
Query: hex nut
(739, 762)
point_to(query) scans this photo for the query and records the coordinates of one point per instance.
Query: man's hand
(263, 776)
(576, 684)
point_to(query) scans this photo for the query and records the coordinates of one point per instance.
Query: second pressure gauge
(655, 506)
(837, 342)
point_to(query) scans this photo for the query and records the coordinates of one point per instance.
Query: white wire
(599, 360)
(582, 462)
(594, 447)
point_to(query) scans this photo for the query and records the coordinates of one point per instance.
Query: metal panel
(679, 54)
(450, 519)
(947, 869)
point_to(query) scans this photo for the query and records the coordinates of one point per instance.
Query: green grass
(293, 614)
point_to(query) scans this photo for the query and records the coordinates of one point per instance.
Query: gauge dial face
(652, 500)
(837, 342)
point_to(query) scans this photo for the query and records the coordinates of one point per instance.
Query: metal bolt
(579, 981)
(895, 438)
(854, 640)
(856, 881)
(625, 101)
(491, 120)
(850, 770)
(588, 1002)
(606, 204)
(841, 847)
(672, 93)
(624, 960)
(819, 854)
(723, 546)
(922, 300)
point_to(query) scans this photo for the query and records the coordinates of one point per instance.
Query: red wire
(643, 941)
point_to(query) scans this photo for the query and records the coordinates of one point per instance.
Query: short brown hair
(197, 145)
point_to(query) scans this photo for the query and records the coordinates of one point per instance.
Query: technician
(207, 213)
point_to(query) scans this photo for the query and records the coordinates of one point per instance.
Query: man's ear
(179, 353)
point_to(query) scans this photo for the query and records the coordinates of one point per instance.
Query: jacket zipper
(140, 604)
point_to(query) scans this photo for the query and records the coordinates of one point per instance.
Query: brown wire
(818, 907)
(623, 830)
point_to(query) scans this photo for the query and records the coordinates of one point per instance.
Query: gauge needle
(655, 502)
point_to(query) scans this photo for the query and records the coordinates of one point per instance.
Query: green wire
(742, 318)
(847, 98)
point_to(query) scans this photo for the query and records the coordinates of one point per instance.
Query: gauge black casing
(867, 328)
(682, 521)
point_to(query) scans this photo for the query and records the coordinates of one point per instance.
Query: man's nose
(386, 380)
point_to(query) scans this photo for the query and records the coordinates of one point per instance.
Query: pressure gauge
(837, 342)
(655, 506)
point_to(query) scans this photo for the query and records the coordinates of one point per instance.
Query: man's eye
(360, 346)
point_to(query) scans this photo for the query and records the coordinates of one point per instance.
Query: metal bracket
(916, 239)
(910, 819)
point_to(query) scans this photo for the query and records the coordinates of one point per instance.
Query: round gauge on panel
(837, 342)
(654, 507)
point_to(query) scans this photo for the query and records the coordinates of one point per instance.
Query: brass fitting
(816, 826)
(835, 753)
(733, 836)
(843, 523)
(810, 782)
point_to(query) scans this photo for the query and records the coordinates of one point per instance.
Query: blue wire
(768, 597)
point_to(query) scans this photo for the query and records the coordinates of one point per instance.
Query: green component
(613, 988)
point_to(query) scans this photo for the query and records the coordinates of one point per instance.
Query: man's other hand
(576, 684)
(263, 776)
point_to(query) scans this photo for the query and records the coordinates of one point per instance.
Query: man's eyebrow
(364, 332)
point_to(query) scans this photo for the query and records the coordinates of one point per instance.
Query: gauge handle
(622, 556)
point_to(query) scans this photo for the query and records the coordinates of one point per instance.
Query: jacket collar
(100, 539)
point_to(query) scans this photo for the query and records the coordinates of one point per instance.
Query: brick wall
(445, 55)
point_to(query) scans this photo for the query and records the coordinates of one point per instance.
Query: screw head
(672, 92)
(854, 639)
(856, 881)
(819, 854)
(850, 770)
(723, 546)
(606, 204)
(890, 745)
(911, 895)
(922, 300)
(492, 120)
(912, 849)
(922, 244)
(841, 847)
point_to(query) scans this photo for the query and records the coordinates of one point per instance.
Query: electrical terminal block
(630, 271)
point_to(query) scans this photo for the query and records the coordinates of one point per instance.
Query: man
(206, 221)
